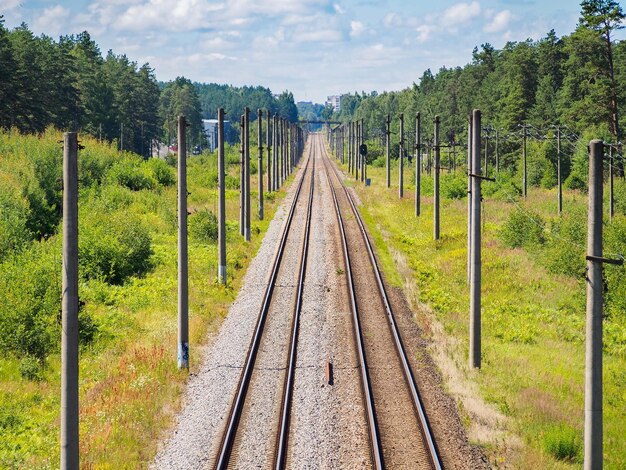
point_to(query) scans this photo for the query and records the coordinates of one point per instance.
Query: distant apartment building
(334, 101)
(210, 130)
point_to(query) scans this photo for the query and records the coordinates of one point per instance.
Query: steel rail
(375, 442)
(237, 406)
(283, 434)
(408, 373)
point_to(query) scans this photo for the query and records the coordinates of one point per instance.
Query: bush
(615, 244)
(231, 182)
(380, 162)
(505, 188)
(523, 228)
(130, 173)
(161, 172)
(113, 248)
(576, 181)
(14, 232)
(566, 245)
(454, 186)
(563, 443)
(30, 288)
(31, 368)
(203, 226)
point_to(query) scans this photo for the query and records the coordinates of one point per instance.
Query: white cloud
(356, 28)
(459, 14)
(52, 20)
(320, 35)
(424, 32)
(338, 9)
(499, 23)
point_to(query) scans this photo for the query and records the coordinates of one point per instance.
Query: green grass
(533, 320)
(132, 356)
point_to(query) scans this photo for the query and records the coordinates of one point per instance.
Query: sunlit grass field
(130, 387)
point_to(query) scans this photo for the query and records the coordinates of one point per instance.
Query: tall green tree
(604, 17)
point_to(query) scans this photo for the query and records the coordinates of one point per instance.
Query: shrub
(203, 226)
(614, 244)
(14, 232)
(130, 173)
(231, 182)
(113, 248)
(566, 244)
(31, 368)
(576, 181)
(454, 186)
(563, 443)
(161, 172)
(522, 228)
(380, 162)
(30, 288)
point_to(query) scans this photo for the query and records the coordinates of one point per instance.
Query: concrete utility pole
(475, 283)
(260, 171)
(69, 307)
(593, 354)
(357, 153)
(525, 165)
(497, 154)
(418, 165)
(611, 184)
(486, 168)
(363, 156)
(401, 155)
(242, 176)
(436, 185)
(269, 154)
(469, 198)
(246, 232)
(388, 148)
(558, 170)
(221, 215)
(183, 279)
(275, 153)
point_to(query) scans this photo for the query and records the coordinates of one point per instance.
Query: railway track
(258, 434)
(399, 432)
(274, 312)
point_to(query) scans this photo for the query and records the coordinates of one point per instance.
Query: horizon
(390, 44)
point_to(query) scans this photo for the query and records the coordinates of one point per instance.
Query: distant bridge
(320, 122)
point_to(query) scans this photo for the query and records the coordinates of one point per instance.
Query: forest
(576, 82)
(70, 85)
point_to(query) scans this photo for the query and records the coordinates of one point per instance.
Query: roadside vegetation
(533, 305)
(129, 383)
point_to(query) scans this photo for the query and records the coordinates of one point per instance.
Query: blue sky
(314, 48)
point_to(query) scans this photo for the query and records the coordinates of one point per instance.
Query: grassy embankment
(533, 309)
(129, 383)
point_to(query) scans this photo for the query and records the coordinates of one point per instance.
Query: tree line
(70, 85)
(578, 80)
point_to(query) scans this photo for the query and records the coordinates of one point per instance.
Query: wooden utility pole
(69, 307)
